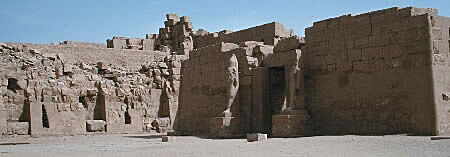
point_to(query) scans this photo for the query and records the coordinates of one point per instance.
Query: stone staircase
(292, 123)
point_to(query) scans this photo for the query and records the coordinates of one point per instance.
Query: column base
(225, 127)
(295, 124)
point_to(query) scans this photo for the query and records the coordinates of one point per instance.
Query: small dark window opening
(45, 123)
(127, 117)
(12, 84)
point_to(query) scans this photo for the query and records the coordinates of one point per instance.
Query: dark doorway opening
(12, 84)
(277, 89)
(127, 117)
(276, 95)
(45, 123)
(83, 101)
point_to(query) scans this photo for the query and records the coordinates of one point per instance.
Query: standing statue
(233, 81)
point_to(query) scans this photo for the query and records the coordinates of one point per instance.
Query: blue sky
(46, 21)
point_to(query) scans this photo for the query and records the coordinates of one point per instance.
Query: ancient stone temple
(382, 72)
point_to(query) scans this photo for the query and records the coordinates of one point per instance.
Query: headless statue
(232, 82)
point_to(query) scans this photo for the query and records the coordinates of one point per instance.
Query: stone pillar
(36, 123)
(3, 123)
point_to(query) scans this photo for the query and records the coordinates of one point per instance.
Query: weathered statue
(233, 81)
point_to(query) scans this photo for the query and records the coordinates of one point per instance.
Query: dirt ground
(151, 145)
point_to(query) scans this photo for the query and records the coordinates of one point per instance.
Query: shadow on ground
(146, 136)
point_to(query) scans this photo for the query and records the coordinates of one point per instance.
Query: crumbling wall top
(378, 15)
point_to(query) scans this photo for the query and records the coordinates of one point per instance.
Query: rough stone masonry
(382, 72)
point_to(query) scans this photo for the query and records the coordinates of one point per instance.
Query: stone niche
(49, 118)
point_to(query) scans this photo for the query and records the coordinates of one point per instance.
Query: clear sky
(46, 21)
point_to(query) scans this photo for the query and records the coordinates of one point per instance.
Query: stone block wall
(269, 34)
(56, 88)
(370, 73)
(204, 88)
(49, 118)
(439, 44)
(175, 37)
(382, 72)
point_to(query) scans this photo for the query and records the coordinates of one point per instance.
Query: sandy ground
(151, 145)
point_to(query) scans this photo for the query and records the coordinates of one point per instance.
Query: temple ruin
(382, 72)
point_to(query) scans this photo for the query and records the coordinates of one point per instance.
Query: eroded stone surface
(95, 125)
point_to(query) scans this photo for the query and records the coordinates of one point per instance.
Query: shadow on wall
(99, 110)
(176, 122)
(164, 103)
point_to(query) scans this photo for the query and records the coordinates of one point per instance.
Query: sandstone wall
(383, 72)
(269, 33)
(440, 42)
(176, 36)
(56, 88)
(204, 88)
(370, 73)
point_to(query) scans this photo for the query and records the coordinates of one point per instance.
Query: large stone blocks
(120, 120)
(46, 119)
(18, 128)
(291, 43)
(284, 58)
(269, 33)
(95, 125)
(348, 54)
(118, 43)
